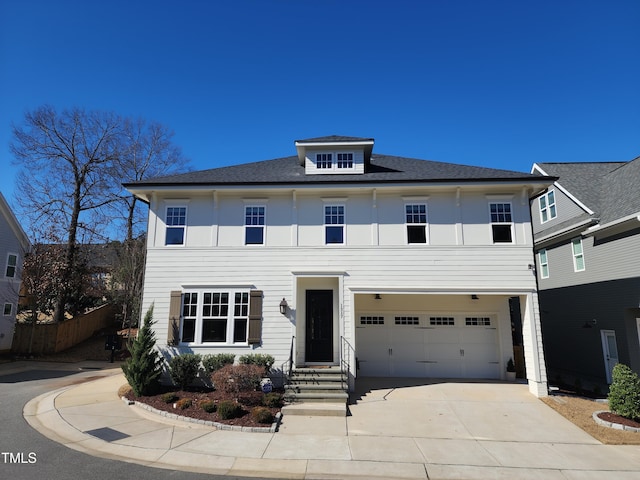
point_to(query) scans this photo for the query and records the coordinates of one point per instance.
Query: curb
(616, 426)
(220, 426)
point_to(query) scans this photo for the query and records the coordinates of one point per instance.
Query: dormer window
(335, 162)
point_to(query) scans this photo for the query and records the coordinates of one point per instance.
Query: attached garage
(433, 345)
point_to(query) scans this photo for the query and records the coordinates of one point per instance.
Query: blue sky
(494, 83)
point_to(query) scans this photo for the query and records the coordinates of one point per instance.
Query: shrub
(263, 360)
(208, 406)
(273, 400)
(228, 409)
(262, 415)
(236, 379)
(211, 363)
(169, 397)
(624, 393)
(184, 368)
(144, 367)
(183, 403)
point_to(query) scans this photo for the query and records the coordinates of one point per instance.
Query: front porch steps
(316, 391)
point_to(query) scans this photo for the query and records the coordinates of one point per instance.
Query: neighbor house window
(501, 222)
(578, 255)
(8, 308)
(548, 206)
(212, 316)
(334, 224)
(324, 160)
(176, 224)
(12, 265)
(254, 224)
(544, 263)
(416, 218)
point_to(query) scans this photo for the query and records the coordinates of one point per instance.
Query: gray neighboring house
(13, 245)
(587, 244)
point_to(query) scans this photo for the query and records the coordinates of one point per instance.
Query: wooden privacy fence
(55, 337)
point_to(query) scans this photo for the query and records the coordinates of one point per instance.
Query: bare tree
(66, 161)
(147, 151)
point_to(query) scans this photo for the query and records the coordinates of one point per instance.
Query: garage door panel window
(477, 321)
(407, 321)
(442, 321)
(371, 320)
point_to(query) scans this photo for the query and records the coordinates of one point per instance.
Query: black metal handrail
(346, 352)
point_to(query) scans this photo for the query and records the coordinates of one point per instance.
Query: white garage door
(438, 346)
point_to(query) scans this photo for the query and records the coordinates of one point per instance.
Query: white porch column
(533, 350)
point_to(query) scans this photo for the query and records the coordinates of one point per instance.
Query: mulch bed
(613, 418)
(248, 401)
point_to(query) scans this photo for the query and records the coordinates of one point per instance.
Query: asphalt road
(25, 454)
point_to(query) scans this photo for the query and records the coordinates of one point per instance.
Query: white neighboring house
(14, 243)
(386, 266)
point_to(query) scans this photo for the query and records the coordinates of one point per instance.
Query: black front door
(319, 321)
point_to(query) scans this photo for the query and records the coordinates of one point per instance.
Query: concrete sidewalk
(401, 431)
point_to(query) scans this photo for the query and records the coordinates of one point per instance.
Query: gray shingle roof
(610, 189)
(335, 139)
(382, 169)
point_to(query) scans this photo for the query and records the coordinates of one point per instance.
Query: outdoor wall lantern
(589, 323)
(377, 297)
(283, 307)
(474, 297)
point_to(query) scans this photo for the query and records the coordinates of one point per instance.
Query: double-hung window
(334, 224)
(544, 263)
(416, 219)
(578, 255)
(547, 206)
(8, 309)
(254, 216)
(501, 222)
(215, 316)
(345, 160)
(12, 265)
(176, 221)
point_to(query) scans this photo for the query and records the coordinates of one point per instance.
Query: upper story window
(501, 222)
(544, 263)
(12, 265)
(324, 160)
(547, 206)
(578, 255)
(212, 316)
(334, 224)
(176, 223)
(335, 162)
(345, 160)
(8, 309)
(416, 218)
(254, 216)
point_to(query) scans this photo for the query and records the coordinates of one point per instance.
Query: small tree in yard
(624, 393)
(144, 367)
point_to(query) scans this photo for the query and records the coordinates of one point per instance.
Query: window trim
(167, 226)
(343, 224)
(263, 226)
(425, 224)
(550, 208)
(230, 316)
(14, 266)
(544, 264)
(499, 223)
(576, 255)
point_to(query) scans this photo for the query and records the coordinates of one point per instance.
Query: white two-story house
(14, 243)
(587, 243)
(387, 266)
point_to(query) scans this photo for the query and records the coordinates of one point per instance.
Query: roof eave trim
(616, 223)
(564, 231)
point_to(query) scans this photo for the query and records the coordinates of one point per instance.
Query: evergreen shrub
(183, 369)
(624, 392)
